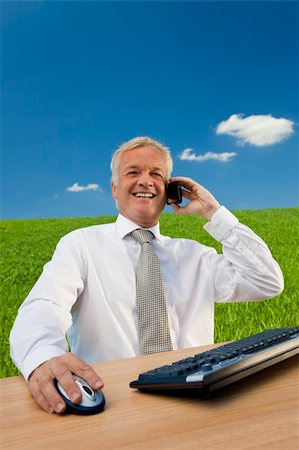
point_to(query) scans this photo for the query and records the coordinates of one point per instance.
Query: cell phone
(173, 193)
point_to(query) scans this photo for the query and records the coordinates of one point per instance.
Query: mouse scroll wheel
(87, 389)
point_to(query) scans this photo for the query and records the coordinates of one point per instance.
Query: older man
(88, 289)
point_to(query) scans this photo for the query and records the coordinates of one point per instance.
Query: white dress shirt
(87, 290)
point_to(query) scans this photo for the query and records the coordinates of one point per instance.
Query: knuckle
(61, 369)
(43, 381)
(84, 367)
(39, 397)
(33, 388)
(42, 402)
(78, 363)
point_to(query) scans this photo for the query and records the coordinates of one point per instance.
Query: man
(88, 291)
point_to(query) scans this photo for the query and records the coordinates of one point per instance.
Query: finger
(39, 397)
(185, 182)
(64, 375)
(49, 391)
(44, 376)
(187, 194)
(74, 365)
(42, 400)
(86, 372)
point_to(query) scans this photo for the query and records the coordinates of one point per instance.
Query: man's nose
(145, 180)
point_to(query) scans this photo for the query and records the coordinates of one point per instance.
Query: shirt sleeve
(39, 331)
(246, 271)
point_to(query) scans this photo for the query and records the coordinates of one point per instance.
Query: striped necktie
(153, 326)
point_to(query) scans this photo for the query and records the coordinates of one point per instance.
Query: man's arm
(246, 271)
(38, 342)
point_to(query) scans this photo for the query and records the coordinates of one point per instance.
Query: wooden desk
(260, 412)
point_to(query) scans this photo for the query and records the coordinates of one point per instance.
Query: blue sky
(217, 82)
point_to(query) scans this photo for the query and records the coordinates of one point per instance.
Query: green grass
(26, 245)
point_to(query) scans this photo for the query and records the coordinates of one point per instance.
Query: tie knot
(142, 236)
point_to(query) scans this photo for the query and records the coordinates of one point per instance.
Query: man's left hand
(201, 201)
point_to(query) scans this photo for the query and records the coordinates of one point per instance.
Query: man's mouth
(144, 195)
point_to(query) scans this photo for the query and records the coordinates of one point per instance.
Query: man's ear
(114, 189)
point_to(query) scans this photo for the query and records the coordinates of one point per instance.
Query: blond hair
(140, 141)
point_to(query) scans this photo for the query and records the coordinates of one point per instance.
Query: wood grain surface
(260, 412)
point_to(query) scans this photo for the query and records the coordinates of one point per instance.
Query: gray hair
(140, 141)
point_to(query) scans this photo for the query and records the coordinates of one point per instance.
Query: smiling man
(88, 290)
(139, 185)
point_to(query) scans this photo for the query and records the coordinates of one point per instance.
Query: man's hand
(201, 201)
(61, 367)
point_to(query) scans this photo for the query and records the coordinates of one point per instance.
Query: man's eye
(132, 172)
(158, 174)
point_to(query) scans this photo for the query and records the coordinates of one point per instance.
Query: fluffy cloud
(188, 155)
(258, 130)
(77, 188)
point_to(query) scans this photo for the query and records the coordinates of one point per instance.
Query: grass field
(26, 245)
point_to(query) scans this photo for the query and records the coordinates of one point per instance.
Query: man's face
(140, 188)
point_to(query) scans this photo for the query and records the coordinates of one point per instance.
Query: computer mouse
(92, 402)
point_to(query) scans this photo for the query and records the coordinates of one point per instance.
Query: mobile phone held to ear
(173, 193)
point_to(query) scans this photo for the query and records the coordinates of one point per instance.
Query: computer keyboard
(223, 365)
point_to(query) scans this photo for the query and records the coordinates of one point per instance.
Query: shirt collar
(125, 226)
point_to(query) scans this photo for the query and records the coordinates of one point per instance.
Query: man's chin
(142, 216)
(145, 211)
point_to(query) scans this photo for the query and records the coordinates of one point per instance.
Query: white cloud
(188, 155)
(77, 188)
(258, 130)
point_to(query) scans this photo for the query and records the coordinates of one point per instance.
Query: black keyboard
(223, 365)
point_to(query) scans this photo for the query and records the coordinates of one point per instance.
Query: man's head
(140, 169)
(141, 141)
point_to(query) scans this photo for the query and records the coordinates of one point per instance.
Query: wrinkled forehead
(146, 157)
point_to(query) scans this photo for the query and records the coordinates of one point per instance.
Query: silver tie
(153, 326)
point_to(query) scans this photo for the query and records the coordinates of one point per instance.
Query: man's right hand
(62, 367)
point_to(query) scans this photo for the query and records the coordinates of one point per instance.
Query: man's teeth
(144, 195)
